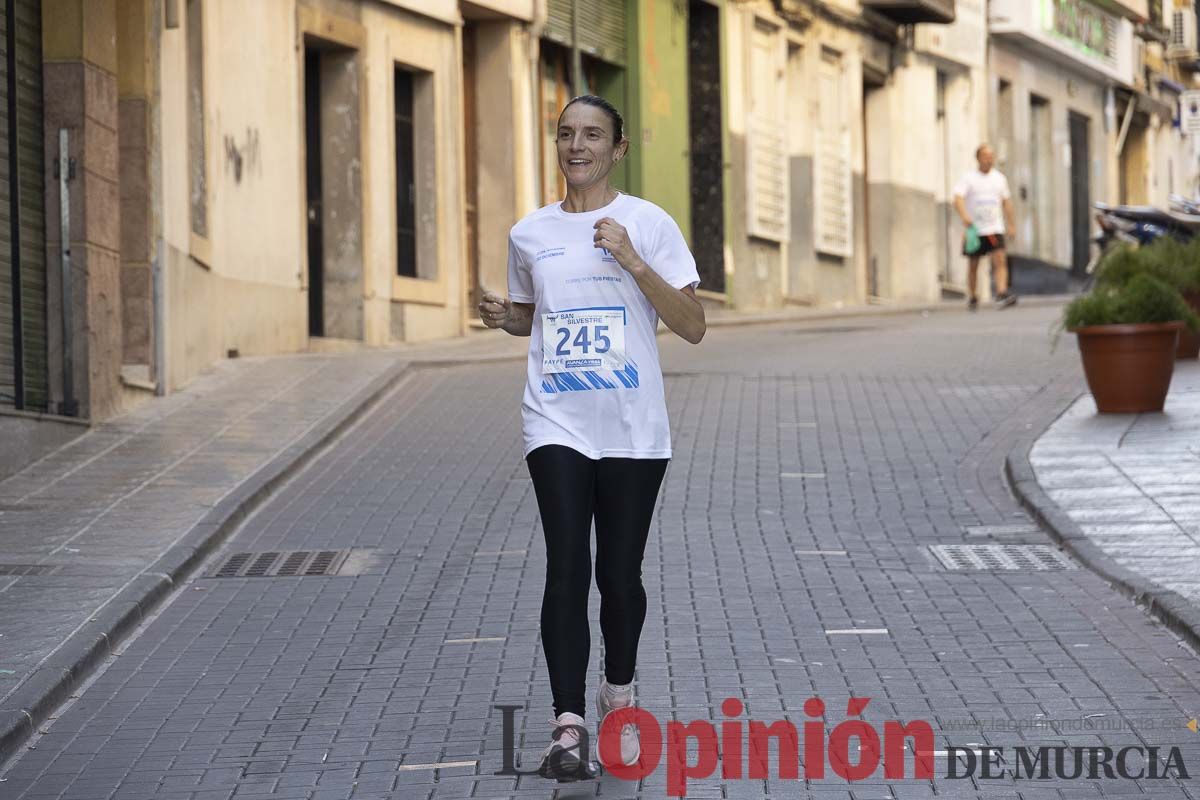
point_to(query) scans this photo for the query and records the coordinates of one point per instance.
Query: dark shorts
(987, 243)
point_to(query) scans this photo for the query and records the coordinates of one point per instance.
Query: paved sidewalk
(1124, 491)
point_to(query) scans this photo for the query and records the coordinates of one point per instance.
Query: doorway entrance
(1041, 170)
(333, 190)
(1081, 160)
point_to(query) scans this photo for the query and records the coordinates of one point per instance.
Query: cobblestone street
(817, 466)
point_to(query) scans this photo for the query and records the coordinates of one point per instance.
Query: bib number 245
(585, 339)
(599, 343)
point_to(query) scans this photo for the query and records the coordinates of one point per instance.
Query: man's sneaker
(609, 700)
(973, 304)
(564, 760)
(1005, 300)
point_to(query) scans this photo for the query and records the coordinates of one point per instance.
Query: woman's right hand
(494, 310)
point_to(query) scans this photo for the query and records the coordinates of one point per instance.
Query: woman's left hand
(612, 236)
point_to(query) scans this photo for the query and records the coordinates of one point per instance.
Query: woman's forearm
(682, 314)
(520, 319)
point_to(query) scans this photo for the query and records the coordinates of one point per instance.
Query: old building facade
(1055, 68)
(275, 177)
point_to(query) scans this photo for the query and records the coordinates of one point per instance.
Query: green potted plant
(1175, 263)
(1128, 332)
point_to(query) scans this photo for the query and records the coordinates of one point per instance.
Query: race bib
(583, 339)
(987, 213)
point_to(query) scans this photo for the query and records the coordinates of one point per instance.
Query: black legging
(620, 493)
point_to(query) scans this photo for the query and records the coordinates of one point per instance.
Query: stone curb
(54, 681)
(818, 314)
(1177, 613)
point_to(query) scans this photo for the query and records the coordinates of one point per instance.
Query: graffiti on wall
(243, 157)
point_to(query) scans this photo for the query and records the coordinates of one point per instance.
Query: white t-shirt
(594, 381)
(984, 194)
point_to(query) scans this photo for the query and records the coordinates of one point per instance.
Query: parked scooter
(1140, 225)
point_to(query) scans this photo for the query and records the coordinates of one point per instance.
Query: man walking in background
(983, 201)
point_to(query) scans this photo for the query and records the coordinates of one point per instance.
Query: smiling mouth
(578, 162)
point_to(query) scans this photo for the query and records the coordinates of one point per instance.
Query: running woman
(588, 279)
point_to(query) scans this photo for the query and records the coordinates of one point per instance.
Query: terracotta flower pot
(1129, 367)
(1189, 343)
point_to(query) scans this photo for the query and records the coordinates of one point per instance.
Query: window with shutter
(601, 27)
(767, 145)
(558, 22)
(832, 198)
(602, 30)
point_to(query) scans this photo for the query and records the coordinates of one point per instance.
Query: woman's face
(586, 152)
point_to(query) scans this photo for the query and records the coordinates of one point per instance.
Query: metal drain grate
(1037, 557)
(28, 569)
(281, 563)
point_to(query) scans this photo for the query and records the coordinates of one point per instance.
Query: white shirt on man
(593, 377)
(984, 194)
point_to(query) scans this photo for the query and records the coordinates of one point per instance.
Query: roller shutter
(601, 27)
(27, 190)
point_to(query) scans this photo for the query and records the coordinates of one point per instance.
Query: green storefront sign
(1080, 24)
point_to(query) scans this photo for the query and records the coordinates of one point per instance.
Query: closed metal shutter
(30, 175)
(601, 27)
(558, 22)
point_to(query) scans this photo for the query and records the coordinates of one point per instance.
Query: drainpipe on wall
(66, 171)
(160, 343)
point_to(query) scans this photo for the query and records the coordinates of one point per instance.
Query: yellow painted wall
(659, 80)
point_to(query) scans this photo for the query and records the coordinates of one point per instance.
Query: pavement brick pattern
(101, 509)
(1132, 482)
(814, 465)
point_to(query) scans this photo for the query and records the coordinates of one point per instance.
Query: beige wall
(1066, 91)
(754, 267)
(1138, 9)
(246, 292)
(244, 287)
(522, 10)
(906, 180)
(1172, 164)
(843, 280)
(441, 10)
(915, 236)
(763, 273)
(497, 108)
(431, 307)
